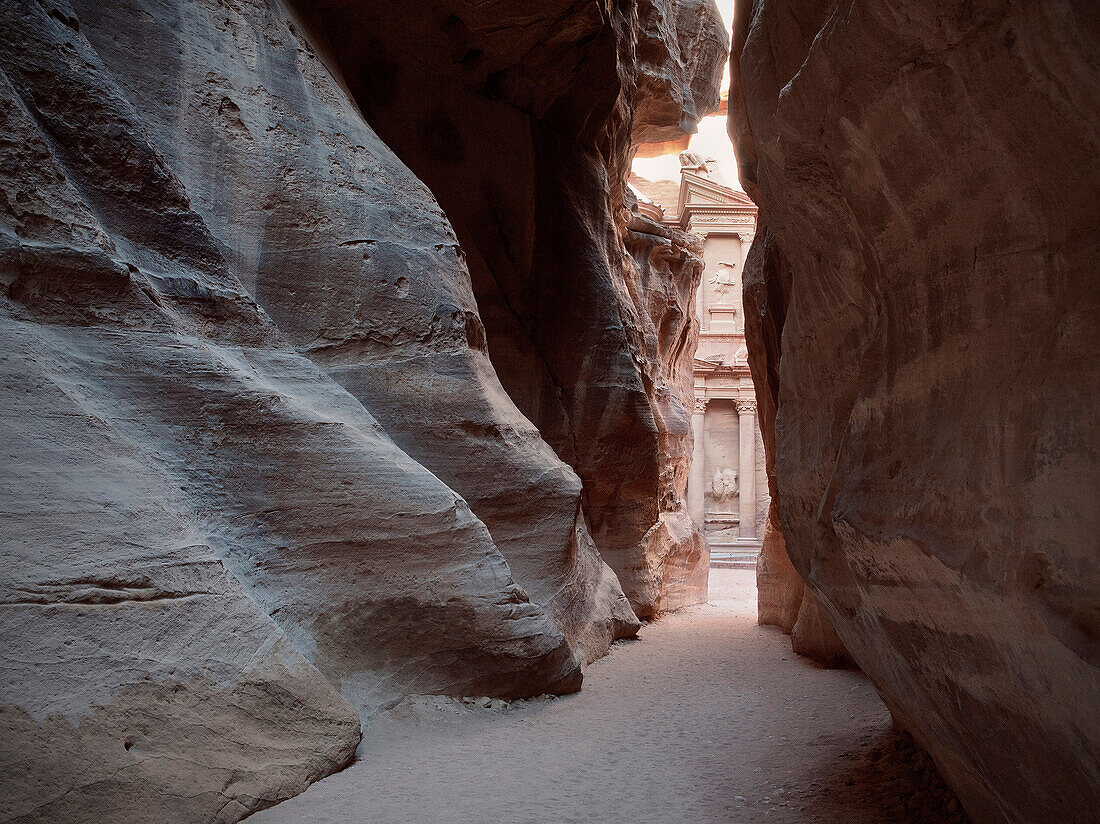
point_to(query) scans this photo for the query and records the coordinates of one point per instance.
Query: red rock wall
(662, 269)
(782, 597)
(927, 308)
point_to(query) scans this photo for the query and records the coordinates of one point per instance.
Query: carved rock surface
(927, 177)
(205, 538)
(518, 117)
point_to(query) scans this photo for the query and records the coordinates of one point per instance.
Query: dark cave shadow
(887, 778)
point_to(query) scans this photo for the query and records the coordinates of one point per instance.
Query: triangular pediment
(698, 190)
(696, 195)
(714, 363)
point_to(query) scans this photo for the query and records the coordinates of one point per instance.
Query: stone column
(746, 411)
(697, 479)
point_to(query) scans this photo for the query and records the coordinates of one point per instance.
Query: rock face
(357, 265)
(520, 123)
(679, 43)
(782, 597)
(662, 273)
(197, 518)
(260, 471)
(928, 187)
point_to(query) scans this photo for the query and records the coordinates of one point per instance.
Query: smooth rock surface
(519, 118)
(355, 262)
(783, 598)
(205, 539)
(927, 177)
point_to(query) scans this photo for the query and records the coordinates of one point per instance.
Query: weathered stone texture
(523, 133)
(212, 268)
(679, 44)
(198, 523)
(662, 270)
(357, 265)
(927, 175)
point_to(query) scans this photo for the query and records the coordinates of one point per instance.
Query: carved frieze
(724, 218)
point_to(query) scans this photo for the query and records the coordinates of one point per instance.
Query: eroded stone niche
(721, 457)
(923, 310)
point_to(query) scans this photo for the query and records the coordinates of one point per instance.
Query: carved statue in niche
(726, 294)
(723, 489)
(725, 274)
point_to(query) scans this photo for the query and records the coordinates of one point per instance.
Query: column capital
(700, 405)
(745, 407)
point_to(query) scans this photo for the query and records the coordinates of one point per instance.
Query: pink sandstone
(927, 314)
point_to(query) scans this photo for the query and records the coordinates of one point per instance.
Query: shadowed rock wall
(354, 261)
(926, 311)
(519, 119)
(212, 553)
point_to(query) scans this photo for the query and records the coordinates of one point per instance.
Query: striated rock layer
(928, 183)
(519, 117)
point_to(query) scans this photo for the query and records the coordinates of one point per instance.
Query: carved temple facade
(727, 488)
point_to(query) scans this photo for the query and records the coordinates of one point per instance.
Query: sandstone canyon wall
(924, 311)
(359, 268)
(523, 133)
(783, 600)
(662, 270)
(260, 471)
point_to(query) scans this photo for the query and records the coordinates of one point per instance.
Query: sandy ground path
(707, 718)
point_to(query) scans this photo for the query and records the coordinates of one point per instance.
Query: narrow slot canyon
(575, 411)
